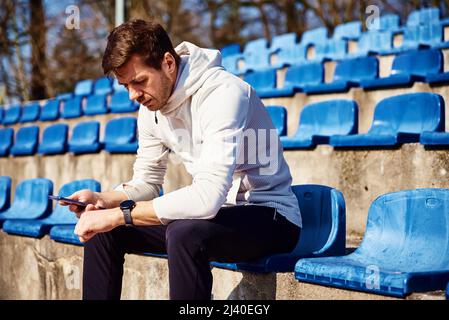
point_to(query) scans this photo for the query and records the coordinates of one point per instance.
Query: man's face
(146, 85)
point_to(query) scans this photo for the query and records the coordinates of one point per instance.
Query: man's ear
(170, 63)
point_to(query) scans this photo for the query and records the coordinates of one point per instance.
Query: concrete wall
(44, 269)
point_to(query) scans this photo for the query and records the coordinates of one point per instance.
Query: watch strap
(127, 216)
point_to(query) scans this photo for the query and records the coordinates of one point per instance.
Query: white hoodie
(221, 130)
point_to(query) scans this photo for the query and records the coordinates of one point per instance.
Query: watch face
(127, 204)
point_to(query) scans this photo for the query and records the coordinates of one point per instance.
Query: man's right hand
(93, 199)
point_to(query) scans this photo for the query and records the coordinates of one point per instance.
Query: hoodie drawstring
(155, 117)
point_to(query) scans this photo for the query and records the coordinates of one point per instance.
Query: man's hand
(94, 221)
(94, 200)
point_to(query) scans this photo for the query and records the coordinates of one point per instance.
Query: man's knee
(187, 234)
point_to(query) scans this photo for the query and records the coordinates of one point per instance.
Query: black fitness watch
(127, 206)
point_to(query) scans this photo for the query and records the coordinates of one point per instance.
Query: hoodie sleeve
(223, 115)
(150, 164)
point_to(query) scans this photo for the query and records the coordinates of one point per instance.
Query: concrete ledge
(44, 269)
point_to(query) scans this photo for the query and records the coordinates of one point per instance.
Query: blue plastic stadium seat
(389, 22)
(287, 50)
(85, 138)
(332, 49)
(120, 103)
(256, 55)
(6, 140)
(293, 55)
(348, 73)
(314, 36)
(121, 135)
(407, 68)
(27, 139)
(319, 121)
(423, 16)
(349, 31)
(61, 215)
(299, 76)
(5, 193)
(374, 42)
(50, 110)
(231, 63)
(65, 234)
(278, 115)
(117, 86)
(2, 114)
(323, 232)
(103, 86)
(230, 49)
(54, 139)
(12, 115)
(83, 88)
(397, 120)
(72, 108)
(96, 104)
(30, 112)
(30, 200)
(404, 249)
(263, 81)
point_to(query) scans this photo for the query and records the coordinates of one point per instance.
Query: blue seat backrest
(230, 49)
(278, 115)
(103, 85)
(411, 224)
(84, 88)
(2, 114)
(350, 30)
(323, 213)
(72, 108)
(357, 69)
(255, 46)
(263, 79)
(256, 54)
(55, 133)
(50, 110)
(5, 192)
(121, 130)
(64, 96)
(117, 86)
(27, 136)
(86, 132)
(12, 114)
(327, 118)
(62, 214)
(418, 63)
(334, 49)
(389, 22)
(31, 199)
(423, 16)
(314, 36)
(283, 42)
(375, 41)
(409, 113)
(120, 102)
(311, 73)
(96, 104)
(30, 112)
(6, 140)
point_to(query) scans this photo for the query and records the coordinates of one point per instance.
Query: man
(239, 206)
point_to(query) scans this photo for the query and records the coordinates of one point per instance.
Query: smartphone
(58, 198)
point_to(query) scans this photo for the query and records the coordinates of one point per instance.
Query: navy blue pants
(239, 233)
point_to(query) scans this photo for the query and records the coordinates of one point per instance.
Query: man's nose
(134, 94)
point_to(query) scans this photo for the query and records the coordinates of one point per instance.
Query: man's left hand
(97, 221)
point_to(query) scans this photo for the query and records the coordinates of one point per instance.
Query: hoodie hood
(197, 65)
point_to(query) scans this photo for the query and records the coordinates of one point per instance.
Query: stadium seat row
(120, 136)
(423, 29)
(404, 249)
(407, 118)
(408, 68)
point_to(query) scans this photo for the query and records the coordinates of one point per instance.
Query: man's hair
(145, 38)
